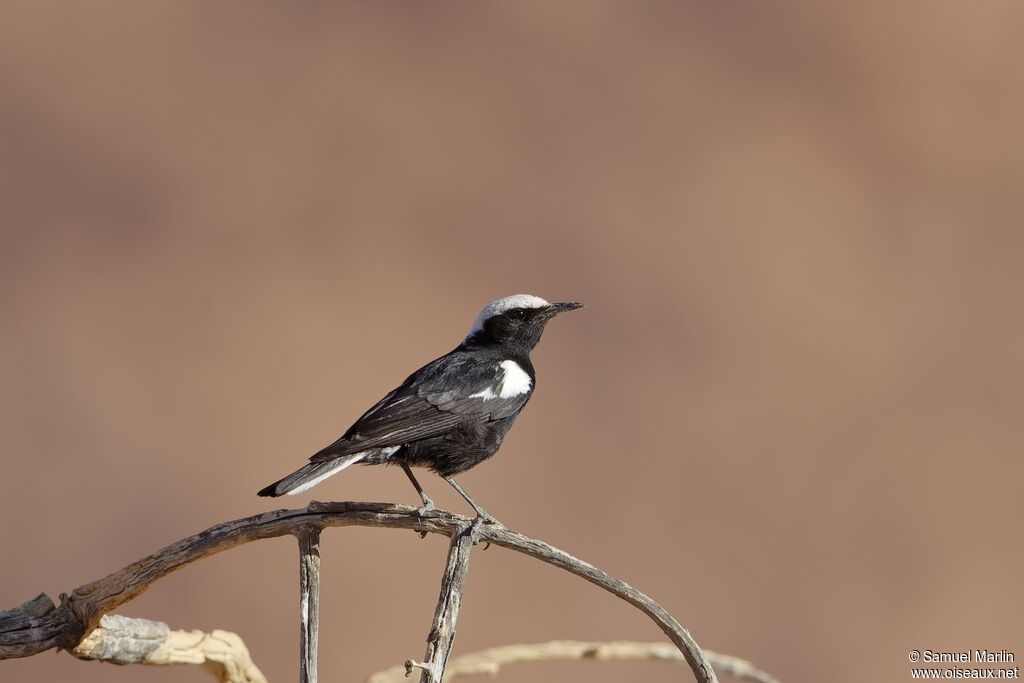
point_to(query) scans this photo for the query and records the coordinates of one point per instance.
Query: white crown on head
(499, 306)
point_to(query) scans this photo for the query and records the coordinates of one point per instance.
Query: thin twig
(309, 601)
(489, 662)
(30, 630)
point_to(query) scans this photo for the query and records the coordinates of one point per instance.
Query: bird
(452, 413)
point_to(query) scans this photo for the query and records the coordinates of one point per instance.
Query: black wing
(453, 389)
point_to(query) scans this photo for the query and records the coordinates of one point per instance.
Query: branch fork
(38, 625)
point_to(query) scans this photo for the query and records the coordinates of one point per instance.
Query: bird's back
(466, 399)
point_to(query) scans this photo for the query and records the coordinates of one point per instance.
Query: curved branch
(36, 626)
(489, 662)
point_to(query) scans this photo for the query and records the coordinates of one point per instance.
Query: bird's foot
(482, 517)
(474, 528)
(422, 510)
(485, 517)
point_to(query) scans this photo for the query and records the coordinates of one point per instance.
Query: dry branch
(489, 662)
(441, 637)
(38, 625)
(309, 601)
(123, 640)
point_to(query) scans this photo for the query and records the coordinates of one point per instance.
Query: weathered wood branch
(489, 662)
(309, 601)
(441, 637)
(124, 640)
(38, 625)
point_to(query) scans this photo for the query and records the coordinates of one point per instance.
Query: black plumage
(452, 413)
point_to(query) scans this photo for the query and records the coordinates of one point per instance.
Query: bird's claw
(481, 519)
(484, 517)
(421, 512)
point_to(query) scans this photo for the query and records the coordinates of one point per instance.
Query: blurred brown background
(228, 228)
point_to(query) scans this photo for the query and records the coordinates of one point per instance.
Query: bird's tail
(310, 475)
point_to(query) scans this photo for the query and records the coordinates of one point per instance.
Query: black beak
(554, 309)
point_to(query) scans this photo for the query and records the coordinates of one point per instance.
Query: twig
(309, 601)
(124, 640)
(442, 631)
(489, 662)
(36, 627)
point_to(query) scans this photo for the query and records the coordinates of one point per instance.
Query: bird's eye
(517, 314)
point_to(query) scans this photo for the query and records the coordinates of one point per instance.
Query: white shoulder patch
(499, 306)
(514, 381)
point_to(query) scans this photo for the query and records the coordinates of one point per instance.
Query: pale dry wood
(309, 601)
(489, 662)
(441, 637)
(36, 627)
(124, 640)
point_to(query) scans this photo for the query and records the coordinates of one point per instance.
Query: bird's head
(516, 320)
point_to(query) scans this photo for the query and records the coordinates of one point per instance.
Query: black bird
(452, 413)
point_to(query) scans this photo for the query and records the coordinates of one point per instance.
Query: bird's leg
(427, 503)
(482, 515)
